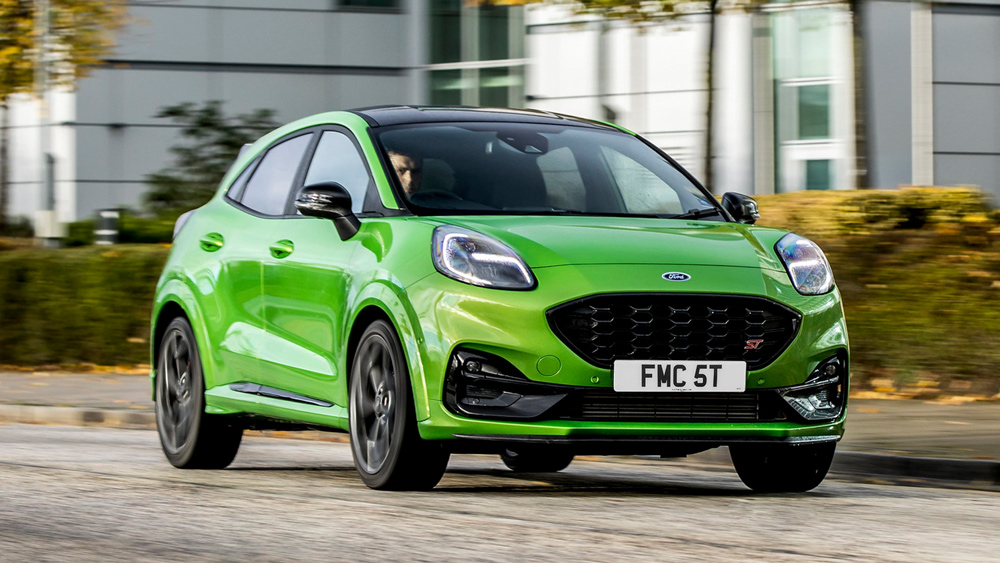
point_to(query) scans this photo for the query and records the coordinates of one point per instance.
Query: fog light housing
(483, 385)
(823, 395)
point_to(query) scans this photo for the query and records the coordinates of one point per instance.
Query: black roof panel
(396, 115)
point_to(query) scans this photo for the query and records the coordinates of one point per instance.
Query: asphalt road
(86, 494)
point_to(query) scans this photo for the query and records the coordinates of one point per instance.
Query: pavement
(950, 442)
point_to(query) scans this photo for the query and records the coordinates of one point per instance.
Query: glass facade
(446, 87)
(805, 89)
(476, 54)
(446, 31)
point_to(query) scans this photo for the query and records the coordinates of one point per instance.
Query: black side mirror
(329, 200)
(742, 208)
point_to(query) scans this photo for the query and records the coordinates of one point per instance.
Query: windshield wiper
(697, 213)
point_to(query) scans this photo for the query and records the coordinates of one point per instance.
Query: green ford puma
(458, 280)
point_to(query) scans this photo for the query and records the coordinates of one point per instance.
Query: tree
(78, 35)
(214, 141)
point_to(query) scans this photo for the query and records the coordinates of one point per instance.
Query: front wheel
(387, 448)
(782, 468)
(190, 438)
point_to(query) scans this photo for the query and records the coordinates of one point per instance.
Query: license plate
(679, 376)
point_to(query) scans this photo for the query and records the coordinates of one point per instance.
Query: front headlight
(806, 264)
(474, 258)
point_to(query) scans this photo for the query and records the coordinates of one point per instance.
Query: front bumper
(484, 386)
(512, 325)
(465, 435)
(666, 446)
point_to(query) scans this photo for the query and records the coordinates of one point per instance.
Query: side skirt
(268, 407)
(264, 391)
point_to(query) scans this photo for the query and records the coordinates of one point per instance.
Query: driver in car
(409, 169)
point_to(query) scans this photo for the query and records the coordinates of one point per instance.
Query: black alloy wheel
(190, 438)
(387, 448)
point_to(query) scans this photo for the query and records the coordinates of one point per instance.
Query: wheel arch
(387, 306)
(168, 312)
(175, 300)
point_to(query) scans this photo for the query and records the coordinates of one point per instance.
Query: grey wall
(889, 123)
(298, 57)
(967, 96)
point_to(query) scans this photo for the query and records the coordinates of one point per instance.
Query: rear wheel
(387, 448)
(784, 468)
(528, 460)
(190, 438)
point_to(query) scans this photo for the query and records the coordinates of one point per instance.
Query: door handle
(212, 242)
(282, 248)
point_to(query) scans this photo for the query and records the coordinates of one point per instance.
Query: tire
(190, 438)
(782, 469)
(388, 451)
(535, 461)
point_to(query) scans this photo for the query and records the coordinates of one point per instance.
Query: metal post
(604, 71)
(42, 89)
(107, 226)
(764, 148)
(47, 226)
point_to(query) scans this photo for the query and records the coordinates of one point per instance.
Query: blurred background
(118, 116)
(807, 95)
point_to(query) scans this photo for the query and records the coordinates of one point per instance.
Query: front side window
(520, 168)
(268, 189)
(337, 160)
(641, 189)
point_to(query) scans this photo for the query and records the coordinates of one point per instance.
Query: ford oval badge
(676, 276)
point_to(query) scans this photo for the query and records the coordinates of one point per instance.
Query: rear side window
(268, 189)
(338, 160)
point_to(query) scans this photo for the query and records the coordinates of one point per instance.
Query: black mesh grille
(604, 328)
(673, 407)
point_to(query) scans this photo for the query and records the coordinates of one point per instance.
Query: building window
(476, 54)
(818, 174)
(446, 87)
(814, 111)
(809, 71)
(446, 31)
(494, 32)
(497, 84)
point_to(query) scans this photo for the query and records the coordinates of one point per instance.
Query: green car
(461, 280)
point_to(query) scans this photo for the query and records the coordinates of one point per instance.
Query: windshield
(520, 168)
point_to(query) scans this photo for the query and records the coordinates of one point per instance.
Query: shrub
(80, 305)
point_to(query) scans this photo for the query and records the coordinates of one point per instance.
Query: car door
(306, 280)
(257, 199)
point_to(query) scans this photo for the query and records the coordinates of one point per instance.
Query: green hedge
(79, 305)
(919, 270)
(131, 229)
